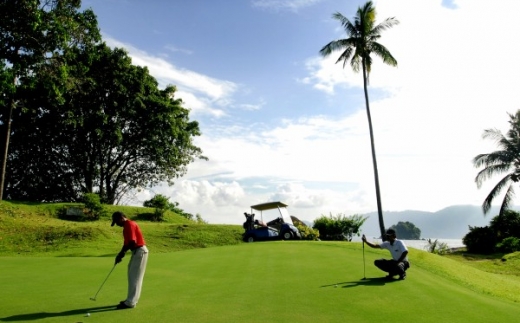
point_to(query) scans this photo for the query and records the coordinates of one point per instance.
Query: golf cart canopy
(282, 210)
(268, 206)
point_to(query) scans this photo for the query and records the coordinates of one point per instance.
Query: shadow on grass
(106, 255)
(378, 281)
(44, 315)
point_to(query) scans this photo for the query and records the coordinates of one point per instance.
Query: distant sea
(421, 244)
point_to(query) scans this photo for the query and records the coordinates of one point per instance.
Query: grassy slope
(35, 230)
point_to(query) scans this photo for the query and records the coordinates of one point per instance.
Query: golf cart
(281, 227)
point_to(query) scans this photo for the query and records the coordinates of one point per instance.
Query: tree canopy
(33, 34)
(406, 230)
(90, 122)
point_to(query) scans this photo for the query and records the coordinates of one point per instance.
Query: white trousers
(136, 269)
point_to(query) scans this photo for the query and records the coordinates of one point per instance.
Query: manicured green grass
(275, 282)
(49, 268)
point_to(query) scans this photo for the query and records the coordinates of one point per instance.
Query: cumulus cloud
(449, 86)
(200, 93)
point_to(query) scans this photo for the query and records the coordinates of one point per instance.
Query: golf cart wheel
(250, 239)
(287, 235)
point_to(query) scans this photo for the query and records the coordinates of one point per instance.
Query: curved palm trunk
(374, 161)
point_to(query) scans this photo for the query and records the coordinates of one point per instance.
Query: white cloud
(293, 5)
(199, 92)
(457, 76)
(178, 50)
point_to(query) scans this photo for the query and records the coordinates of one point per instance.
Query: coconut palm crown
(505, 160)
(363, 35)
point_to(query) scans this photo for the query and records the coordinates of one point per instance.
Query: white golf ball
(88, 314)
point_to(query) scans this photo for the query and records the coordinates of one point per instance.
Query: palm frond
(384, 53)
(505, 160)
(495, 158)
(345, 56)
(494, 134)
(386, 24)
(508, 197)
(491, 171)
(330, 48)
(355, 63)
(495, 192)
(350, 29)
(362, 39)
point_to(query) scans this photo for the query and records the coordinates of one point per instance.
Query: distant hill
(449, 223)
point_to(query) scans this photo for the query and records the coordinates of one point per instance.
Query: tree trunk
(12, 104)
(374, 161)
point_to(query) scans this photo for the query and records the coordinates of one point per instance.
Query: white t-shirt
(396, 249)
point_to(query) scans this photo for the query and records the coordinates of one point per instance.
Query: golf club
(364, 271)
(94, 298)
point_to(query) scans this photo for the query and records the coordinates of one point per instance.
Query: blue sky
(279, 122)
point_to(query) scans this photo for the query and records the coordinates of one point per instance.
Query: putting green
(260, 282)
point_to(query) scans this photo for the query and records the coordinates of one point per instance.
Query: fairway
(259, 282)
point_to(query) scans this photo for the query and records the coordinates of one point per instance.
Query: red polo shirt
(132, 232)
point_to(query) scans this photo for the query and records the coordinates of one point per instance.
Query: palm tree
(506, 160)
(363, 34)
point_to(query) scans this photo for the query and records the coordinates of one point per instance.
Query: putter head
(92, 299)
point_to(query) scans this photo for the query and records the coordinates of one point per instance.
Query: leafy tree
(118, 131)
(362, 42)
(407, 230)
(506, 225)
(480, 240)
(339, 227)
(509, 245)
(505, 160)
(33, 33)
(501, 235)
(160, 203)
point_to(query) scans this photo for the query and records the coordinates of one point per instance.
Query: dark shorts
(392, 267)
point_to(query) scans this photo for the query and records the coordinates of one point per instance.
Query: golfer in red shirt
(134, 241)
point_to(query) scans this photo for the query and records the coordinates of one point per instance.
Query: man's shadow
(43, 315)
(377, 281)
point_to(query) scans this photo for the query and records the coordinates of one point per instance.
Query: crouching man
(399, 262)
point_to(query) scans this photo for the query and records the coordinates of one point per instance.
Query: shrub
(95, 209)
(91, 210)
(174, 207)
(199, 219)
(339, 227)
(437, 247)
(307, 232)
(480, 240)
(160, 203)
(509, 245)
